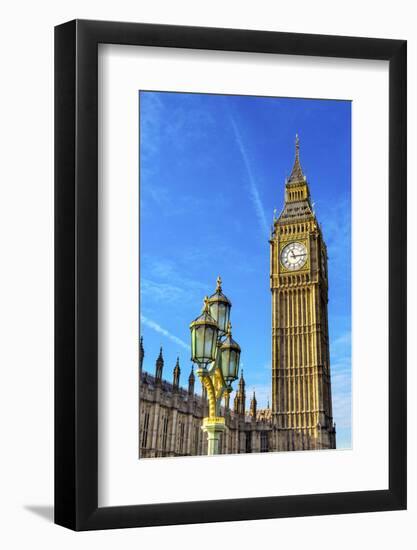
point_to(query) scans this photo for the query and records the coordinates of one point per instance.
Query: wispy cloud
(161, 292)
(253, 188)
(164, 117)
(157, 328)
(163, 281)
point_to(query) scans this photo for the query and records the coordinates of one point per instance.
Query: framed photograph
(230, 244)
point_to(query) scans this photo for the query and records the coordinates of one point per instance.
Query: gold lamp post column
(217, 356)
(214, 424)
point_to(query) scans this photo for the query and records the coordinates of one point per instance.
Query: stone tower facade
(301, 384)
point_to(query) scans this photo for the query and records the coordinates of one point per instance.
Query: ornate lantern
(220, 306)
(204, 333)
(229, 357)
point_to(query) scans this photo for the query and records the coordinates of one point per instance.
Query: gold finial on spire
(219, 284)
(206, 304)
(229, 328)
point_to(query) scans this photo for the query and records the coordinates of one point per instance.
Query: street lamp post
(217, 356)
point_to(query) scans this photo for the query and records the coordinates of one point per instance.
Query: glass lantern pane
(214, 311)
(208, 343)
(193, 344)
(232, 366)
(226, 315)
(237, 361)
(229, 358)
(225, 363)
(199, 339)
(221, 319)
(214, 343)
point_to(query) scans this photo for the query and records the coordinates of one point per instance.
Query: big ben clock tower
(301, 383)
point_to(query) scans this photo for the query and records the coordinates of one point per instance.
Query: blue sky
(212, 170)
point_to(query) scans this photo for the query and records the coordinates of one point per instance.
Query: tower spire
(297, 174)
(191, 381)
(241, 381)
(253, 404)
(141, 354)
(159, 365)
(176, 375)
(242, 394)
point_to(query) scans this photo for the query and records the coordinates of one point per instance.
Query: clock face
(294, 256)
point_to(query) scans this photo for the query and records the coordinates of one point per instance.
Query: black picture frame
(76, 272)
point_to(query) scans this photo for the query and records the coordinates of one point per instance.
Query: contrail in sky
(157, 328)
(254, 193)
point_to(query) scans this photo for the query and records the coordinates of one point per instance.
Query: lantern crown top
(219, 284)
(205, 318)
(228, 341)
(218, 295)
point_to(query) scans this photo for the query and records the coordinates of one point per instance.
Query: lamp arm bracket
(214, 383)
(207, 382)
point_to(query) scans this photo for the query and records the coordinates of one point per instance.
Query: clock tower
(301, 383)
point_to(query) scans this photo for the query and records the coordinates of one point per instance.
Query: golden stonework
(301, 385)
